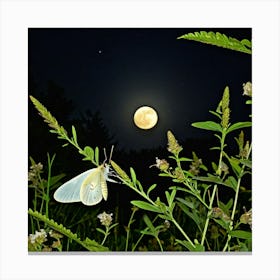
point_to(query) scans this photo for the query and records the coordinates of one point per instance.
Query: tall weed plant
(192, 215)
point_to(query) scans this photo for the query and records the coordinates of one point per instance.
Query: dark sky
(116, 70)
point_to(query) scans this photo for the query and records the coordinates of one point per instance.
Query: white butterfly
(89, 187)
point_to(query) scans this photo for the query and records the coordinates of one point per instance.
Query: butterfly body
(89, 187)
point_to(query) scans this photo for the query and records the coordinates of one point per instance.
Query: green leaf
(56, 179)
(238, 125)
(231, 182)
(185, 159)
(74, 134)
(235, 165)
(133, 176)
(216, 114)
(149, 224)
(222, 223)
(247, 43)
(164, 217)
(189, 246)
(89, 244)
(101, 230)
(172, 196)
(210, 178)
(208, 125)
(193, 215)
(246, 162)
(88, 152)
(151, 188)
(220, 40)
(145, 206)
(187, 203)
(96, 155)
(241, 234)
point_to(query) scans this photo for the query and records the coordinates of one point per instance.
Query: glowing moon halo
(145, 117)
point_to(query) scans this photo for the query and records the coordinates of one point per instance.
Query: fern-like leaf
(89, 244)
(220, 40)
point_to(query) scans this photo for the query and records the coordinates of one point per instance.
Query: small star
(100, 51)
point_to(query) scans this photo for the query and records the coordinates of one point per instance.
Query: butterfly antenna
(111, 153)
(105, 155)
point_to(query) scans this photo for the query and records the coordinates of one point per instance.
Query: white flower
(105, 219)
(39, 236)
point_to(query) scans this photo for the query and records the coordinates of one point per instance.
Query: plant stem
(235, 200)
(208, 215)
(139, 239)
(215, 187)
(50, 162)
(182, 231)
(105, 236)
(159, 243)
(128, 227)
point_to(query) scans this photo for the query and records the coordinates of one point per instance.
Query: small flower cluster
(247, 89)
(218, 213)
(246, 218)
(34, 172)
(243, 149)
(161, 164)
(105, 219)
(37, 241)
(173, 146)
(39, 237)
(225, 108)
(195, 165)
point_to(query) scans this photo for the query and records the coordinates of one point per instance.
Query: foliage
(189, 193)
(220, 40)
(192, 214)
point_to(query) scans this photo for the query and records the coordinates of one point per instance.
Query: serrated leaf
(220, 40)
(239, 125)
(145, 206)
(208, 125)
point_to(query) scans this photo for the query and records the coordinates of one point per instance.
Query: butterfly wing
(94, 187)
(70, 191)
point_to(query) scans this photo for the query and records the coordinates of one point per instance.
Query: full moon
(145, 117)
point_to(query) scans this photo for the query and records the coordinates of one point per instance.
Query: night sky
(116, 70)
